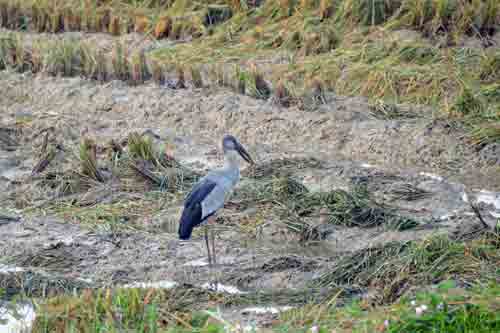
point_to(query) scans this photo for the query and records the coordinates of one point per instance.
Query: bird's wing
(199, 192)
(193, 214)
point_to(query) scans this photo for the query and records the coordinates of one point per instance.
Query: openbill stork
(210, 192)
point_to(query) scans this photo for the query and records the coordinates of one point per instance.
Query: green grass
(449, 308)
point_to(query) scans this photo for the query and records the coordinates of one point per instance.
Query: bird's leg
(215, 282)
(214, 258)
(208, 246)
(211, 221)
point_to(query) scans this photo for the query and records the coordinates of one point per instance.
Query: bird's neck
(231, 160)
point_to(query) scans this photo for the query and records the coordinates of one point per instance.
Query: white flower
(315, 329)
(386, 323)
(419, 311)
(413, 303)
(423, 307)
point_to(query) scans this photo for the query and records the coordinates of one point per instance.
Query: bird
(209, 194)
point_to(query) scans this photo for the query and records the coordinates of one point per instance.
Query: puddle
(367, 166)
(259, 310)
(432, 176)
(489, 198)
(196, 263)
(223, 288)
(17, 318)
(166, 284)
(10, 269)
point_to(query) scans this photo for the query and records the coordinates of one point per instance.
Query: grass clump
(447, 308)
(468, 103)
(394, 267)
(131, 309)
(88, 160)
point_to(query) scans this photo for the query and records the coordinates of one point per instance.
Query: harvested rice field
(373, 204)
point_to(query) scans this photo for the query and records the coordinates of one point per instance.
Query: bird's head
(229, 143)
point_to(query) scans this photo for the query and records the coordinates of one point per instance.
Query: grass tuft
(395, 267)
(88, 160)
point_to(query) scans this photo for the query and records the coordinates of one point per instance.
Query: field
(374, 204)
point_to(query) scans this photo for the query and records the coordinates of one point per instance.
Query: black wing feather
(192, 213)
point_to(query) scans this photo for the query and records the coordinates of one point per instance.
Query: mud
(420, 167)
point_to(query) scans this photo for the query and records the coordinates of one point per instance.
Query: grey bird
(211, 191)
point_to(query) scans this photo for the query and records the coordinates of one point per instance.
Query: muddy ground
(350, 143)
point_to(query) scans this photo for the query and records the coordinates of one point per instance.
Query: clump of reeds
(285, 188)
(56, 22)
(282, 94)
(101, 70)
(88, 160)
(240, 80)
(490, 67)
(181, 80)
(7, 51)
(163, 27)
(157, 72)
(216, 14)
(103, 19)
(139, 69)
(396, 267)
(486, 133)
(196, 78)
(326, 8)
(177, 29)
(467, 102)
(4, 14)
(141, 23)
(72, 21)
(315, 89)
(256, 85)
(120, 62)
(114, 25)
(382, 110)
(141, 147)
(457, 18)
(63, 58)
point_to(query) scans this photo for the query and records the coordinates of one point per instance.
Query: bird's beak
(244, 154)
